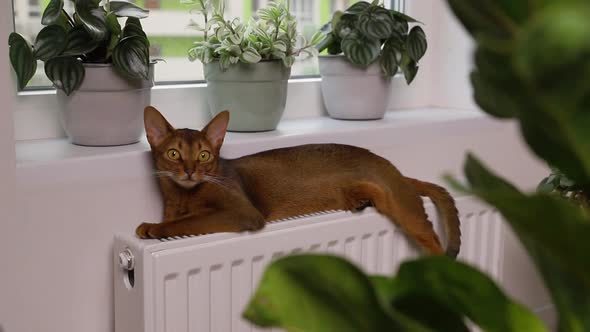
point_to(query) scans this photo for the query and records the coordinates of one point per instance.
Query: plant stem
(70, 20)
(205, 14)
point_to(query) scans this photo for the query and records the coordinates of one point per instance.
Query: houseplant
(366, 44)
(247, 65)
(520, 48)
(101, 70)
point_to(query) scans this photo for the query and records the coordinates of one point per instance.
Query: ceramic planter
(351, 92)
(107, 109)
(254, 94)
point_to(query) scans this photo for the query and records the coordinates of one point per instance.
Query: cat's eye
(173, 154)
(204, 156)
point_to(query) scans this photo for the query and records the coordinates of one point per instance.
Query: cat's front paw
(252, 224)
(146, 231)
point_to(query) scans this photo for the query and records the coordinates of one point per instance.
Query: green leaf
(79, 42)
(52, 12)
(390, 57)
(360, 51)
(358, 7)
(133, 28)
(115, 32)
(317, 294)
(131, 57)
(435, 315)
(409, 67)
(554, 231)
(93, 18)
(250, 55)
(22, 59)
(416, 43)
(127, 9)
(376, 23)
(403, 17)
(66, 73)
(50, 42)
(462, 290)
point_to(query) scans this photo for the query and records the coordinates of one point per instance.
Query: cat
(204, 193)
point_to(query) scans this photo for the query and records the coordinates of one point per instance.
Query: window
(170, 37)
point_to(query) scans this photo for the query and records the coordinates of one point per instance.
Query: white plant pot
(351, 92)
(107, 109)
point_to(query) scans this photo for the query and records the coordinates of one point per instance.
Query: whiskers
(218, 180)
(162, 174)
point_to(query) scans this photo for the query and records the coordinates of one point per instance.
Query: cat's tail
(447, 212)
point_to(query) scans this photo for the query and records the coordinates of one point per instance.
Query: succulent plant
(92, 34)
(368, 32)
(273, 36)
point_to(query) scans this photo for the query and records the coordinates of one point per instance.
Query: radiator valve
(126, 260)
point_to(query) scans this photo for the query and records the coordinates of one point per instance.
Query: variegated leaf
(79, 42)
(376, 23)
(131, 57)
(50, 42)
(390, 57)
(358, 7)
(52, 12)
(127, 9)
(250, 55)
(409, 67)
(66, 73)
(93, 18)
(416, 43)
(359, 50)
(22, 59)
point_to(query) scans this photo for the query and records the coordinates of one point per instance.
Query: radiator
(202, 284)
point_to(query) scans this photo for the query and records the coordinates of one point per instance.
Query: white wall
(10, 227)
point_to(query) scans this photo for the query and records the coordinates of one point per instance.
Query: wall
(10, 226)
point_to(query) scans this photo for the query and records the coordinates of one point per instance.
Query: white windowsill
(290, 132)
(422, 143)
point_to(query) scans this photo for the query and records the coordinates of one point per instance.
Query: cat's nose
(189, 172)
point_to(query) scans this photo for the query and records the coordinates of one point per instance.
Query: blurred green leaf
(66, 73)
(50, 42)
(416, 43)
(462, 290)
(376, 23)
(22, 59)
(554, 231)
(93, 18)
(79, 42)
(52, 12)
(131, 57)
(128, 9)
(316, 294)
(359, 50)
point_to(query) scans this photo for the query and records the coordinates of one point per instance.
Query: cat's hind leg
(407, 213)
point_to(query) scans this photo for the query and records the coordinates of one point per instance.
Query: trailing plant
(368, 32)
(92, 34)
(522, 47)
(273, 36)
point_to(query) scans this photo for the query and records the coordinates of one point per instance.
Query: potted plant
(247, 65)
(101, 70)
(366, 44)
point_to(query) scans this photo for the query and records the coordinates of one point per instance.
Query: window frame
(36, 114)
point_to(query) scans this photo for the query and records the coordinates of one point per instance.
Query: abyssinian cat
(204, 193)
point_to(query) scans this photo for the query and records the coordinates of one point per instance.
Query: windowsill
(422, 143)
(428, 122)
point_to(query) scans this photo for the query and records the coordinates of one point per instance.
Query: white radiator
(203, 283)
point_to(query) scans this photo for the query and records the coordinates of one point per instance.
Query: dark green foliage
(532, 64)
(91, 35)
(368, 31)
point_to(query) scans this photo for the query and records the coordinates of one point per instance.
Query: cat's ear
(156, 126)
(215, 130)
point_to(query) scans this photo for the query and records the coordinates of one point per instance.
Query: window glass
(170, 35)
